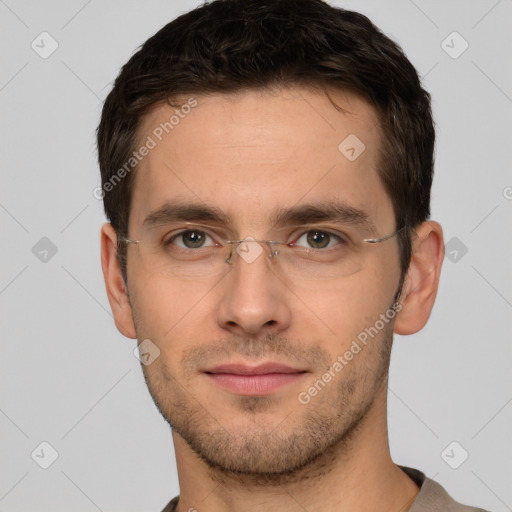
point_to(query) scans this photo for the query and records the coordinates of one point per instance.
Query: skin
(248, 153)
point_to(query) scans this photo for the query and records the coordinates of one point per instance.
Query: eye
(191, 239)
(318, 239)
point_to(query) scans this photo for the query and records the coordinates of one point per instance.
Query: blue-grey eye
(316, 239)
(191, 239)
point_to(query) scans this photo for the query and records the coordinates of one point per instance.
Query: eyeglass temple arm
(384, 238)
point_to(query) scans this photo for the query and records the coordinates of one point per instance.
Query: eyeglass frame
(275, 242)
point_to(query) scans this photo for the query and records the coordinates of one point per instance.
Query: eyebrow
(332, 211)
(190, 212)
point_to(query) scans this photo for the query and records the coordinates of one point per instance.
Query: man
(266, 169)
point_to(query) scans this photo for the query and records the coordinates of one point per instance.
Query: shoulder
(432, 496)
(171, 506)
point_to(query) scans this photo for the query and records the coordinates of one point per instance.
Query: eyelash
(177, 235)
(342, 240)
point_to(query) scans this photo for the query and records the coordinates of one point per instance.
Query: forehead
(252, 152)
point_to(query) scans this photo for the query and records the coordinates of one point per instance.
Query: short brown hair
(229, 45)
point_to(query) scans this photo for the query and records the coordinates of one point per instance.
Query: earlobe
(114, 283)
(422, 280)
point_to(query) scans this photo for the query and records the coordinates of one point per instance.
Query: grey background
(70, 379)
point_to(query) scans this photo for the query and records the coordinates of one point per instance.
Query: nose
(253, 300)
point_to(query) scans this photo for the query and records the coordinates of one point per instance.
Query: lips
(259, 380)
(262, 369)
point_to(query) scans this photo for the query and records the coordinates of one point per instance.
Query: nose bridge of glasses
(250, 249)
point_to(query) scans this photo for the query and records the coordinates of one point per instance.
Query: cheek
(170, 310)
(340, 310)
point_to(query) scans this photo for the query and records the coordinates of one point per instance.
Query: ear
(422, 280)
(114, 283)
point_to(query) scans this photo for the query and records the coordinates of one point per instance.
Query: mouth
(254, 380)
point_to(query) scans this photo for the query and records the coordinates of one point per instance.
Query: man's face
(248, 155)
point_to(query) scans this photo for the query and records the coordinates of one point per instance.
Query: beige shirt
(431, 498)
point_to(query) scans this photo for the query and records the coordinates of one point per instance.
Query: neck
(355, 474)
